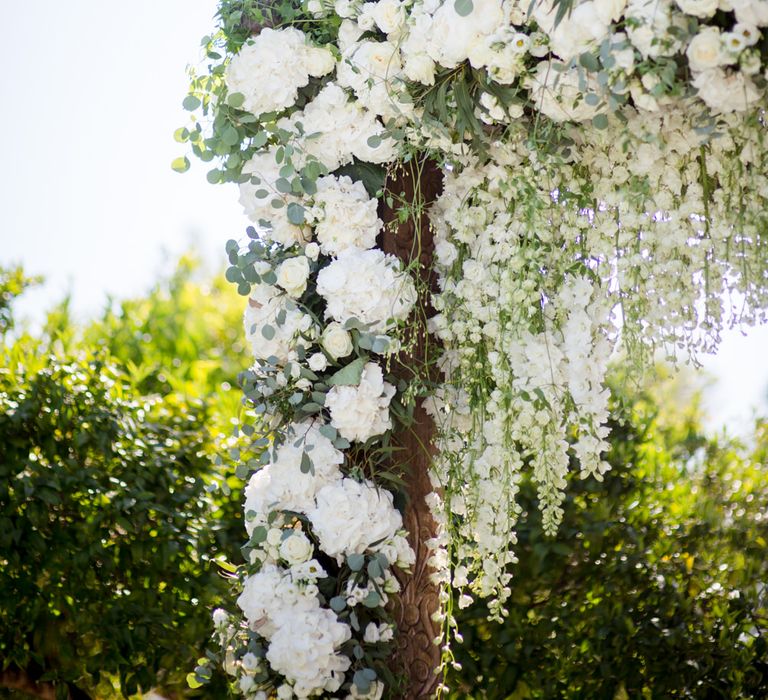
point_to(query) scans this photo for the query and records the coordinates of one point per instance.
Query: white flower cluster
(623, 215)
(535, 297)
(366, 285)
(281, 601)
(269, 70)
(324, 303)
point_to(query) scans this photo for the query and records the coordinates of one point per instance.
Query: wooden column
(415, 184)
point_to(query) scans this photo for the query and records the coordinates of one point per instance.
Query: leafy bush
(109, 511)
(104, 527)
(654, 586)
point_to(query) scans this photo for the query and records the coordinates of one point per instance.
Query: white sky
(92, 94)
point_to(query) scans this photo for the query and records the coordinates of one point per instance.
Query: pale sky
(92, 94)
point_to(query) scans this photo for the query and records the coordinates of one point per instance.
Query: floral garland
(605, 168)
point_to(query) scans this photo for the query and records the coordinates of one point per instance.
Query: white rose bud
(296, 549)
(314, 7)
(250, 662)
(312, 250)
(285, 692)
(246, 684)
(371, 635)
(318, 362)
(220, 618)
(274, 536)
(292, 275)
(336, 341)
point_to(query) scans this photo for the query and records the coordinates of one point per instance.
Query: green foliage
(653, 587)
(13, 282)
(110, 505)
(185, 336)
(103, 526)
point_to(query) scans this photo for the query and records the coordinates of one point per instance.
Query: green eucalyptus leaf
(295, 213)
(463, 7)
(355, 562)
(349, 375)
(181, 164)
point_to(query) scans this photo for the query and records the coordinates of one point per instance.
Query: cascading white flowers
(605, 185)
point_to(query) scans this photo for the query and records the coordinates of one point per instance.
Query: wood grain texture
(417, 656)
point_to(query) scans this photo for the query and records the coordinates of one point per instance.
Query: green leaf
(230, 136)
(268, 331)
(355, 562)
(374, 569)
(192, 681)
(372, 600)
(600, 121)
(328, 431)
(589, 62)
(236, 99)
(463, 7)
(349, 375)
(338, 603)
(214, 176)
(295, 213)
(374, 141)
(191, 103)
(241, 471)
(361, 682)
(181, 164)
(306, 464)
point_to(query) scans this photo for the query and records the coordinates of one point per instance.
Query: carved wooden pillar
(415, 184)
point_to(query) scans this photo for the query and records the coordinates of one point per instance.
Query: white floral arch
(605, 186)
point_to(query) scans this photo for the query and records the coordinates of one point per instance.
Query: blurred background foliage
(113, 491)
(118, 495)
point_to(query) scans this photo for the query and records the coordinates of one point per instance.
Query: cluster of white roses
(322, 315)
(539, 50)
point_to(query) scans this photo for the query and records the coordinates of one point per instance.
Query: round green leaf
(191, 103)
(181, 164)
(463, 7)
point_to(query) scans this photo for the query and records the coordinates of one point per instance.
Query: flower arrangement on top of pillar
(605, 185)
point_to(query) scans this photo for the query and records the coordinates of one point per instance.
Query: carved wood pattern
(417, 656)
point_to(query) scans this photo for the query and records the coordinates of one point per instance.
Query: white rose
(285, 692)
(317, 362)
(704, 51)
(336, 341)
(726, 92)
(698, 8)
(349, 33)
(292, 275)
(420, 68)
(752, 12)
(296, 548)
(312, 251)
(446, 253)
(374, 692)
(389, 15)
(609, 10)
